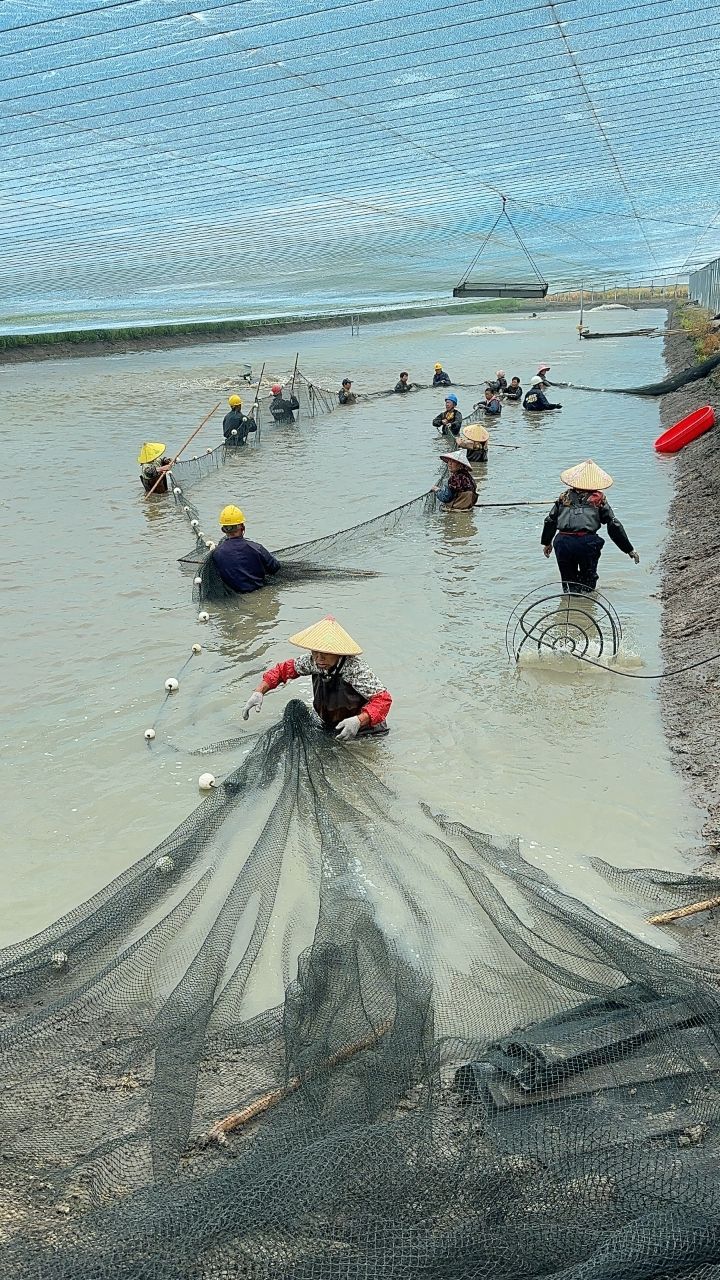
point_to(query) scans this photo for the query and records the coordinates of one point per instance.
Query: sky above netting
(280, 156)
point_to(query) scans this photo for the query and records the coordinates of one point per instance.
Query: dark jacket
(236, 427)
(450, 422)
(346, 397)
(498, 384)
(579, 512)
(402, 387)
(150, 473)
(537, 402)
(492, 406)
(441, 379)
(514, 393)
(282, 410)
(244, 565)
(478, 453)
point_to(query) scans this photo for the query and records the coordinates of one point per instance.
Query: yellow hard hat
(438, 366)
(231, 515)
(235, 402)
(150, 452)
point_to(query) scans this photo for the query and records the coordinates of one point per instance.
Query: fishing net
(663, 388)
(322, 559)
(305, 1040)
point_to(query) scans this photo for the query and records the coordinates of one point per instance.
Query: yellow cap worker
(243, 565)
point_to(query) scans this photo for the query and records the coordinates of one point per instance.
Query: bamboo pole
(679, 913)
(219, 1131)
(187, 442)
(253, 409)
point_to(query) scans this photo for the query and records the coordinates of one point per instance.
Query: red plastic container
(686, 430)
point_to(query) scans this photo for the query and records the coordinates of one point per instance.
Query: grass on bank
(698, 324)
(241, 328)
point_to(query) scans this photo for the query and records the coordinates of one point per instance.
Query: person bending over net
(237, 425)
(154, 467)
(459, 492)
(440, 377)
(346, 395)
(402, 385)
(514, 391)
(571, 527)
(243, 565)
(281, 408)
(450, 420)
(499, 383)
(347, 696)
(535, 399)
(474, 439)
(490, 403)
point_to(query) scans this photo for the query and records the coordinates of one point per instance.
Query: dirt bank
(691, 592)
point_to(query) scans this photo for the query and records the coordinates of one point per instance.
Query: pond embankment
(691, 599)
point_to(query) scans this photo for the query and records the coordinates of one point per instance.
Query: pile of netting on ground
(323, 558)
(314, 1037)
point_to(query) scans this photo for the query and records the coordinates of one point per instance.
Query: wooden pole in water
(255, 401)
(292, 384)
(187, 442)
(582, 306)
(667, 917)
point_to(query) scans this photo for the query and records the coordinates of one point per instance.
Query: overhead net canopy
(302, 1039)
(126, 113)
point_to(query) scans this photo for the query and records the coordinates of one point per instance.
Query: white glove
(635, 555)
(255, 700)
(348, 729)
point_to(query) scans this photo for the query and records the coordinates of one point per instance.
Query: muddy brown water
(98, 611)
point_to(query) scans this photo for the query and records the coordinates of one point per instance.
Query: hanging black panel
(471, 289)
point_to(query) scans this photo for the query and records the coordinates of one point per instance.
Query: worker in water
(543, 371)
(535, 399)
(347, 696)
(243, 565)
(514, 391)
(154, 467)
(571, 527)
(440, 377)
(474, 439)
(499, 384)
(491, 403)
(236, 425)
(402, 385)
(282, 409)
(346, 395)
(459, 492)
(450, 420)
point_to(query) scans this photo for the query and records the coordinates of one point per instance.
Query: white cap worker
(243, 565)
(535, 399)
(571, 527)
(347, 696)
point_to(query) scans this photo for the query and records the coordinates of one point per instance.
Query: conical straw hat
(326, 636)
(475, 432)
(458, 456)
(586, 475)
(149, 452)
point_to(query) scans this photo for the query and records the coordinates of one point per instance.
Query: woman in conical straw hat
(459, 492)
(474, 438)
(347, 696)
(572, 523)
(154, 466)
